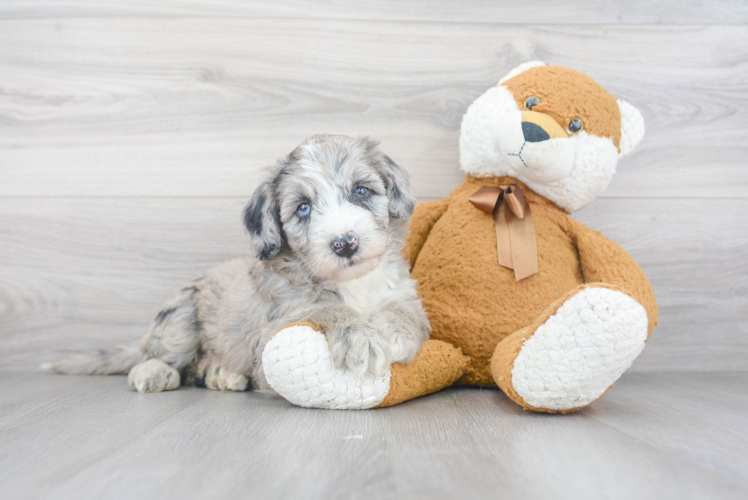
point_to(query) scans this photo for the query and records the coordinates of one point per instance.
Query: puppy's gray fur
(213, 331)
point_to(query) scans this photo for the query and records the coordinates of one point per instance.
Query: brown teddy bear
(518, 293)
(554, 333)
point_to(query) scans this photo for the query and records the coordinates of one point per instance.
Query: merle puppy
(327, 228)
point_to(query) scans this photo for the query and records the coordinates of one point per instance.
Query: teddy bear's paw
(298, 366)
(580, 351)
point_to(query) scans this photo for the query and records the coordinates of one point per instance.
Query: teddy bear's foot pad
(298, 366)
(580, 351)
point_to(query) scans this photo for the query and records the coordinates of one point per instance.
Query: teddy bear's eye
(576, 126)
(531, 102)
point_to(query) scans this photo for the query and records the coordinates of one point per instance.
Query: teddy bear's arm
(603, 261)
(424, 217)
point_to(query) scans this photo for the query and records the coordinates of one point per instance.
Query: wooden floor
(657, 436)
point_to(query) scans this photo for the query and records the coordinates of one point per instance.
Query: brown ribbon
(515, 229)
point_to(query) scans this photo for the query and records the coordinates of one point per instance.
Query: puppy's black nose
(534, 133)
(346, 245)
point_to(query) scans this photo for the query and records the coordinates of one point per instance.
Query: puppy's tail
(117, 360)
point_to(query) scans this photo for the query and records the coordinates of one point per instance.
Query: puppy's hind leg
(171, 345)
(174, 336)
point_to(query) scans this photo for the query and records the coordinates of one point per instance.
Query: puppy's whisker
(395, 239)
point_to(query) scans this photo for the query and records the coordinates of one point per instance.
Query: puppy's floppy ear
(402, 201)
(262, 220)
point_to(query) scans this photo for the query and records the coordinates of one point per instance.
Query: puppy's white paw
(218, 379)
(298, 366)
(580, 351)
(153, 376)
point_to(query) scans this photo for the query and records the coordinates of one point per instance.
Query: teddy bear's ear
(521, 69)
(632, 127)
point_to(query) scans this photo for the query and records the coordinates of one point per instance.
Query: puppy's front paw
(361, 349)
(405, 331)
(368, 353)
(403, 348)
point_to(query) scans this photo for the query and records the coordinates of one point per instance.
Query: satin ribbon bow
(515, 229)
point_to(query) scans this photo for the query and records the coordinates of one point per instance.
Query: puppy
(327, 228)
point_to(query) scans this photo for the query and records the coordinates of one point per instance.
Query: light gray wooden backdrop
(132, 133)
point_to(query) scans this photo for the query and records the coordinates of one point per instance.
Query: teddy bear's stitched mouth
(519, 154)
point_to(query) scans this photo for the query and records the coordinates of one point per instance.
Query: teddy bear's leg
(298, 366)
(574, 352)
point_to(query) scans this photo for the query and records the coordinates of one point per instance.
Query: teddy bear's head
(553, 128)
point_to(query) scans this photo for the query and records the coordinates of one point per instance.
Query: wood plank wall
(132, 133)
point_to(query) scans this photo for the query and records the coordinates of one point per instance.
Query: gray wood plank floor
(654, 436)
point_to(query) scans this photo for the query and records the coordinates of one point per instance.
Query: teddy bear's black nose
(534, 133)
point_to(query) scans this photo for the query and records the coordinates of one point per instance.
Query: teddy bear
(518, 293)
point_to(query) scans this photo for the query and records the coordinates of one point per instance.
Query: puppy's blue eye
(304, 210)
(363, 193)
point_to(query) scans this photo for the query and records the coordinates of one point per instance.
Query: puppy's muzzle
(346, 245)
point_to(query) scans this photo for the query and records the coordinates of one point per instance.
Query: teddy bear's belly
(474, 303)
